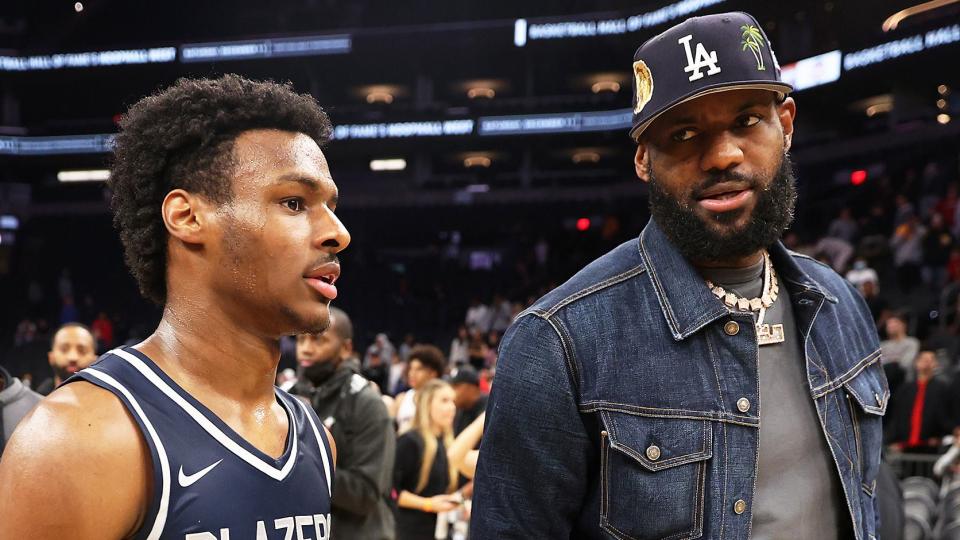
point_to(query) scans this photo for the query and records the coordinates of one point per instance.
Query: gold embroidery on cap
(644, 82)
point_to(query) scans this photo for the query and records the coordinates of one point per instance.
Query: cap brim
(781, 88)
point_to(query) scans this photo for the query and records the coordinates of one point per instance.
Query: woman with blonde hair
(423, 476)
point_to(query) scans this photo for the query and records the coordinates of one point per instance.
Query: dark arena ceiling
(437, 83)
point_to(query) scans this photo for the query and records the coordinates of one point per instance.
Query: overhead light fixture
(481, 92)
(879, 108)
(392, 164)
(478, 188)
(605, 86)
(477, 161)
(943, 118)
(894, 20)
(943, 89)
(91, 175)
(379, 96)
(587, 156)
(78, 7)
(941, 103)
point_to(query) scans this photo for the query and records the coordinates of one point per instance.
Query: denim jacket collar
(686, 302)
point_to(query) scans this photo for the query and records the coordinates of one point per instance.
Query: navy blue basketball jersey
(208, 482)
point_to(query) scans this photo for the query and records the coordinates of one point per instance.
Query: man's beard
(698, 241)
(320, 372)
(61, 372)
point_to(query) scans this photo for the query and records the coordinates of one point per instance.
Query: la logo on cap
(704, 59)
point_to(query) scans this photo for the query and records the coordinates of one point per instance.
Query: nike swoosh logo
(187, 480)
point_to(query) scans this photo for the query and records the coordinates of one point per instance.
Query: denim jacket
(614, 409)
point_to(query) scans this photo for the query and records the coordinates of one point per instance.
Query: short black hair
(430, 356)
(53, 336)
(182, 137)
(340, 324)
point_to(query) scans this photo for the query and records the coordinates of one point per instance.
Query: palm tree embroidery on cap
(753, 39)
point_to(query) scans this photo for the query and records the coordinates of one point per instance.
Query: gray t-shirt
(796, 474)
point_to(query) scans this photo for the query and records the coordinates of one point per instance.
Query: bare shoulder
(81, 453)
(333, 444)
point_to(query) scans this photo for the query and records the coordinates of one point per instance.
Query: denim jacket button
(743, 404)
(653, 452)
(740, 506)
(731, 328)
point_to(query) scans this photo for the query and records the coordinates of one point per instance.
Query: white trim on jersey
(164, 506)
(320, 443)
(213, 430)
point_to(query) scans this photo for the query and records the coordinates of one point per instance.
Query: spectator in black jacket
(922, 411)
(350, 406)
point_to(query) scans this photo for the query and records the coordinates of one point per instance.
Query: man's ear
(185, 214)
(346, 349)
(787, 112)
(641, 162)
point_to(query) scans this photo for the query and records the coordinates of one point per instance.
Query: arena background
(510, 119)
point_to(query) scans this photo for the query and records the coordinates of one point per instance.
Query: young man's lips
(327, 290)
(726, 202)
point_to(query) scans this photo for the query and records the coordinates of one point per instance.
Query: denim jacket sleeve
(532, 472)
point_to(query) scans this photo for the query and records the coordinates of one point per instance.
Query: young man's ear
(184, 215)
(641, 162)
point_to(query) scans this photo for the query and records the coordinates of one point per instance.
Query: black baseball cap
(466, 375)
(700, 56)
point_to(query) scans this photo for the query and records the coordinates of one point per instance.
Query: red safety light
(583, 224)
(858, 177)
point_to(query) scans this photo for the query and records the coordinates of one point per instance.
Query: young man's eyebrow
(310, 183)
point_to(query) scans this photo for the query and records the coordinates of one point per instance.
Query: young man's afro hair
(182, 137)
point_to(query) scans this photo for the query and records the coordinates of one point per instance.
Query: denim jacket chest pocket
(653, 475)
(867, 395)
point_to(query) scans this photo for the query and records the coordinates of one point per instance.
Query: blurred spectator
(353, 412)
(459, 347)
(69, 313)
(899, 348)
(25, 333)
(937, 246)
(875, 231)
(860, 273)
(16, 400)
(907, 245)
(377, 371)
(424, 478)
(835, 252)
(946, 207)
(878, 306)
(478, 316)
(478, 352)
(463, 452)
(903, 211)
(73, 348)
(921, 414)
(470, 401)
(65, 285)
(541, 252)
(406, 346)
(426, 364)
(395, 382)
(382, 347)
(501, 312)
(103, 331)
(844, 227)
(953, 265)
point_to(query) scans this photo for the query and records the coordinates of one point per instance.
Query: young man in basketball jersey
(225, 205)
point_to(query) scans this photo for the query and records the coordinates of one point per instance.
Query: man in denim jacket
(700, 381)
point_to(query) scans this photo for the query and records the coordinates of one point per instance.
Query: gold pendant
(770, 334)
